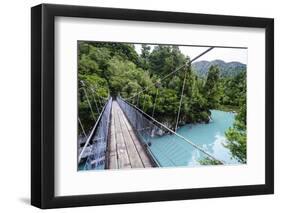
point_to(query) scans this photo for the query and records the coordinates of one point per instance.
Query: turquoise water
(171, 150)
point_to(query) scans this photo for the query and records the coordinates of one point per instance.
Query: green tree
(209, 161)
(234, 88)
(237, 135)
(194, 107)
(116, 67)
(165, 59)
(125, 78)
(145, 52)
(97, 91)
(123, 50)
(212, 89)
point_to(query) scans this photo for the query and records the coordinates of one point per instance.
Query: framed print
(141, 106)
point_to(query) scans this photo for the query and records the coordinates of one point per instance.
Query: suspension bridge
(125, 136)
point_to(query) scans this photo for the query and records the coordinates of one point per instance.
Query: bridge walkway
(124, 148)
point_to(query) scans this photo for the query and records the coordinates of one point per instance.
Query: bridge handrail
(171, 131)
(94, 129)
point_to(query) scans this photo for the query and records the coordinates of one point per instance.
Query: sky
(225, 54)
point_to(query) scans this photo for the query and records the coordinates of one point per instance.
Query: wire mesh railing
(167, 147)
(92, 155)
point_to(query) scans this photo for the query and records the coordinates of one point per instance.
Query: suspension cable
(92, 132)
(182, 91)
(93, 91)
(154, 102)
(99, 102)
(102, 97)
(86, 94)
(161, 79)
(173, 72)
(82, 127)
(174, 132)
(98, 97)
(138, 100)
(201, 54)
(143, 103)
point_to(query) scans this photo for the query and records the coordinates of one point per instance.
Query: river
(171, 150)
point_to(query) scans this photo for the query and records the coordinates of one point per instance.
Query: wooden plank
(123, 158)
(125, 150)
(133, 154)
(113, 163)
(142, 153)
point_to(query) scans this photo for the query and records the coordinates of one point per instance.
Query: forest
(116, 69)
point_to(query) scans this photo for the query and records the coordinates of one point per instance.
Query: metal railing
(93, 153)
(148, 129)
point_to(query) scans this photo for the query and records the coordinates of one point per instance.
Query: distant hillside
(227, 69)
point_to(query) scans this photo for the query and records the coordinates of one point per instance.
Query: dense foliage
(116, 69)
(209, 161)
(237, 135)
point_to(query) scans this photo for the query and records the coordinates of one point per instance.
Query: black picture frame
(43, 117)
